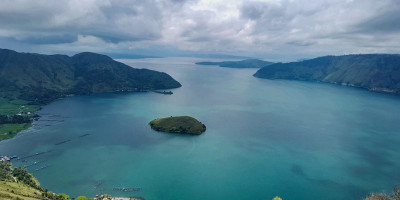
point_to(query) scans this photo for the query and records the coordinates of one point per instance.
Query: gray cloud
(301, 43)
(254, 11)
(286, 29)
(51, 39)
(113, 21)
(385, 22)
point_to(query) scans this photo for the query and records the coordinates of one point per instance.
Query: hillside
(249, 63)
(42, 78)
(375, 72)
(19, 184)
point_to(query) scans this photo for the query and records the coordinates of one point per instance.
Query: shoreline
(372, 90)
(36, 117)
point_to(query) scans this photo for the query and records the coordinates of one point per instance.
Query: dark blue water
(264, 139)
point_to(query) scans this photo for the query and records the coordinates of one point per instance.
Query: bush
(25, 177)
(81, 198)
(5, 171)
(396, 192)
(381, 196)
(62, 196)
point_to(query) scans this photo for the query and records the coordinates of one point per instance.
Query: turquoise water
(264, 138)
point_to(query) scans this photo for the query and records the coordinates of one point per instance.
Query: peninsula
(28, 80)
(248, 63)
(374, 72)
(178, 124)
(41, 78)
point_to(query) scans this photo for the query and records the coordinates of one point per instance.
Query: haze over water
(264, 138)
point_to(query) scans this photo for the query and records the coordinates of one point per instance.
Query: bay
(264, 138)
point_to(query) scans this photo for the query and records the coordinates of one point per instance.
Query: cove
(264, 138)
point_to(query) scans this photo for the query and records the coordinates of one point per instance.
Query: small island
(248, 63)
(178, 124)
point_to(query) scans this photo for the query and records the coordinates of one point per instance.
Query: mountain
(42, 78)
(375, 72)
(248, 63)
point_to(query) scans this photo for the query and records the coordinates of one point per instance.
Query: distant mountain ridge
(248, 63)
(43, 78)
(375, 72)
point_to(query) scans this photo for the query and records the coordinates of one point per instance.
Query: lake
(264, 138)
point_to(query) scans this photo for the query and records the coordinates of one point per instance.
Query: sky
(275, 30)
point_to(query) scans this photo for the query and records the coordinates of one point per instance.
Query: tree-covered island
(178, 124)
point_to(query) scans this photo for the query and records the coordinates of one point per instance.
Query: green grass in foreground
(13, 190)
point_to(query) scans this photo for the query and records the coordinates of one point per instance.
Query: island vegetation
(375, 72)
(178, 124)
(28, 80)
(248, 63)
(383, 196)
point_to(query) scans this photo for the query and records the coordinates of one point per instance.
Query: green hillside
(42, 78)
(375, 72)
(249, 63)
(17, 183)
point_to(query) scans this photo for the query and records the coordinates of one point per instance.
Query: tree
(81, 198)
(396, 192)
(62, 196)
(379, 197)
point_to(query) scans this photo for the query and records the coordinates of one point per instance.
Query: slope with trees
(375, 72)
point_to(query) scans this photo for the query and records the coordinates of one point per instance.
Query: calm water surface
(264, 139)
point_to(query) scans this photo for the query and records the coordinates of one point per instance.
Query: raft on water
(62, 142)
(84, 135)
(44, 167)
(32, 155)
(127, 189)
(34, 163)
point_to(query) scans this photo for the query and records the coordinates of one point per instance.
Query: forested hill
(375, 72)
(249, 63)
(43, 78)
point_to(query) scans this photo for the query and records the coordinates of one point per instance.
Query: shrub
(396, 192)
(379, 197)
(62, 196)
(81, 198)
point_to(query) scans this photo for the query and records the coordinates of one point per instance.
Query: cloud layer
(276, 29)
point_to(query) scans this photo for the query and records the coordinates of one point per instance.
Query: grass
(18, 184)
(13, 107)
(8, 131)
(17, 191)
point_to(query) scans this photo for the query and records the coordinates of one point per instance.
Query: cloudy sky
(270, 29)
